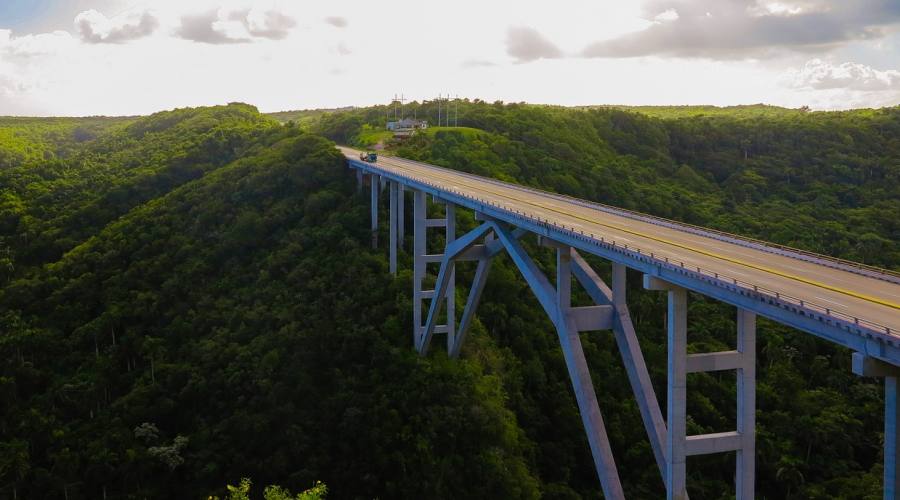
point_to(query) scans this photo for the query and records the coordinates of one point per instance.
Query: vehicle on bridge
(368, 157)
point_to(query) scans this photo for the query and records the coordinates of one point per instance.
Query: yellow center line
(801, 279)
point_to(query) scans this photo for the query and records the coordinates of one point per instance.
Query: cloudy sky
(115, 57)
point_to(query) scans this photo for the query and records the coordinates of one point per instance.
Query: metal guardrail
(745, 241)
(723, 280)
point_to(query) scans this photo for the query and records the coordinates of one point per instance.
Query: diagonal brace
(629, 349)
(492, 248)
(539, 283)
(448, 263)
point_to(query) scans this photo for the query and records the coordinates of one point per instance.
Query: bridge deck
(868, 298)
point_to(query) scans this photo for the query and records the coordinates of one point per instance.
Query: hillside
(190, 298)
(215, 312)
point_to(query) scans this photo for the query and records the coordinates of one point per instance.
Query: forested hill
(190, 298)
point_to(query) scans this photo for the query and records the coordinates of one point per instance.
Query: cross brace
(568, 321)
(678, 444)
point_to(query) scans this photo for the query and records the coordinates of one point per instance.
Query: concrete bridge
(850, 304)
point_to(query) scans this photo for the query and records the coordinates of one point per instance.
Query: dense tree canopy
(190, 298)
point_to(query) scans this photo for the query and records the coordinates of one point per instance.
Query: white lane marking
(827, 300)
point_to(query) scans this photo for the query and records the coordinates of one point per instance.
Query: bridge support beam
(392, 216)
(570, 341)
(421, 259)
(678, 444)
(891, 438)
(401, 216)
(373, 181)
(444, 278)
(745, 475)
(569, 322)
(629, 349)
(420, 213)
(866, 366)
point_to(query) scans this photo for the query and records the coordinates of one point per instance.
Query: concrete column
(401, 216)
(745, 472)
(419, 215)
(359, 180)
(451, 288)
(393, 228)
(563, 281)
(676, 463)
(618, 285)
(891, 439)
(867, 366)
(373, 180)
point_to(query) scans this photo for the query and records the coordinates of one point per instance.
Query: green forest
(190, 298)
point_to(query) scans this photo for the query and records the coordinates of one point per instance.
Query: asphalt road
(864, 297)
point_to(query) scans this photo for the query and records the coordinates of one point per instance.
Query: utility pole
(439, 109)
(456, 110)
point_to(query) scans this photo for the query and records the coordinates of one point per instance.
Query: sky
(128, 57)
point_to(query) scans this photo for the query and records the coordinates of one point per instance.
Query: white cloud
(526, 44)
(666, 16)
(30, 46)
(741, 29)
(477, 63)
(337, 21)
(94, 27)
(209, 27)
(219, 26)
(826, 85)
(818, 74)
(270, 24)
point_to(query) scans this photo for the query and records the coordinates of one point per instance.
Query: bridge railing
(801, 306)
(746, 241)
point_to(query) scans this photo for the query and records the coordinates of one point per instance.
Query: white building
(407, 124)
